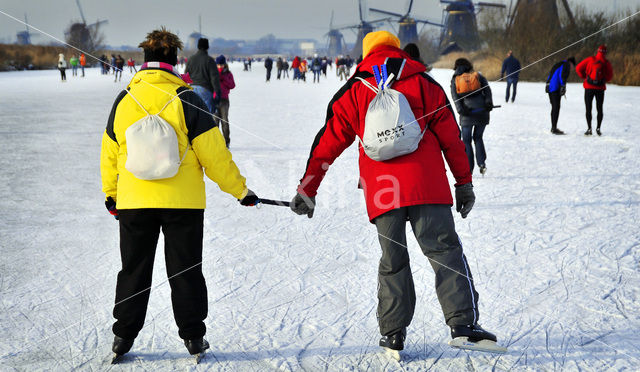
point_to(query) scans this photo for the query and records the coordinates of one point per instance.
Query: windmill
(83, 36)
(192, 39)
(407, 25)
(540, 12)
(24, 37)
(460, 29)
(364, 27)
(336, 44)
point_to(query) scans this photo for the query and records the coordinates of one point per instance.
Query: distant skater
(62, 67)
(268, 64)
(471, 94)
(596, 71)
(118, 68)
(226, 84)
(557, 87)
(73, 61)
(511, 67)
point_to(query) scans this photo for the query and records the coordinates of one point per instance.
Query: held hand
(110, 204)
(250, 199)
(303, 205)
(465, 199)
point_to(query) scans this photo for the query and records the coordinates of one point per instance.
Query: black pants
(268, 74)
(588, 101)
(434, 230)
(554, 98)
(139, 231)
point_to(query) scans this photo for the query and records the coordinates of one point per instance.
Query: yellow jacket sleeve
(109, 166)
(215, 158)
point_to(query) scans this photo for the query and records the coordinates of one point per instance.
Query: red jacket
(226, 83)
(296, 62)
(412, 179)
(585, 68)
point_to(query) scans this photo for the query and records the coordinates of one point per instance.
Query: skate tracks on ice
(552, 241)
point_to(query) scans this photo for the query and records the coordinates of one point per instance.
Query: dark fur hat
(161, 46)
(203, 43)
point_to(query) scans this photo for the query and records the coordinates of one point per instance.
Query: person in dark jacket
(316, 68)
(203, 71)
(557, 87)
(411, 187)
(596, 71)
(511, 66)
(118, 68)
(414, 52)
(268, 64)
(279, 67)
(473, 102)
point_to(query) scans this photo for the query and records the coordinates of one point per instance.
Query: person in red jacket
(596, 71)
(226, 84)
(411, 187)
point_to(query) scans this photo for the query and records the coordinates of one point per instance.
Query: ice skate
(473, 337)
(392, 344)
(197, 348)
(120, 347)
(588, 132)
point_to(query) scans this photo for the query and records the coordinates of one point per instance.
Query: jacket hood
(398, 62)
(601, 56)
(156, 76)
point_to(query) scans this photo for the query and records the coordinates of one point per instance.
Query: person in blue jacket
(557, 87)
(511, 66)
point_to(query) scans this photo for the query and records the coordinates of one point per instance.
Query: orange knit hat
(376, 39)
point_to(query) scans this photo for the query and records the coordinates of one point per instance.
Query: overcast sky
(130, 20)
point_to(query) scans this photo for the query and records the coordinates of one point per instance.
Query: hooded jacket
(197, 134)
(226, 83)
(586, 66)
(413, 179)
(472, 107)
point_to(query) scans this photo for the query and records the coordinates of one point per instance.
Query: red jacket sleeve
(330, 142)
(581, 68)
(442, 123)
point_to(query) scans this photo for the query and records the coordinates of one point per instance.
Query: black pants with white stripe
(434, 230)
(139, 232)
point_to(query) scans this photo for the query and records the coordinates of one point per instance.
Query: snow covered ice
(553, 240)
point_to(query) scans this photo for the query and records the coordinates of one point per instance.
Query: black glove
(250, 199)
(488, 107)
(303, 204)
(465, 111)
(465, 198)
(563, 90)
(111, 207)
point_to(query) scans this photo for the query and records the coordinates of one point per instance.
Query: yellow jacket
(153, 88)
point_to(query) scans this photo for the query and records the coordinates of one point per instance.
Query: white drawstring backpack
(390, 128)
(152, 146)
